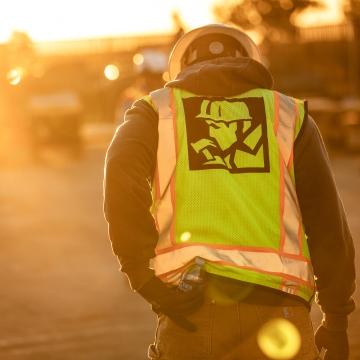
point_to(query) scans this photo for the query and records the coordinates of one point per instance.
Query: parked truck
(55, 119)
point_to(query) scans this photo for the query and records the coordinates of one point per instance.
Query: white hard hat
(183, 44)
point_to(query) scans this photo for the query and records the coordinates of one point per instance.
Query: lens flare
(185, 236)
(111, 72)
(15, 76)
(279, 339)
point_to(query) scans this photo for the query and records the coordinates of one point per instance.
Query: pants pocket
(175, 343)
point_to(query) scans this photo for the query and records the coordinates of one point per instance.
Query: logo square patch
(229, 134)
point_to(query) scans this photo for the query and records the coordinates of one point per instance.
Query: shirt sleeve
(330, 242)
(129, 167)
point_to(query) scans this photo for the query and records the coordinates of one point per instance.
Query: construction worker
(220, 167)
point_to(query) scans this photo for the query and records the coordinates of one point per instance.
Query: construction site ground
(62, 295)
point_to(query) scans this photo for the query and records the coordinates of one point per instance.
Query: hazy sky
(69, 19)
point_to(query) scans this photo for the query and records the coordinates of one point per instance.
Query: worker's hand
(335, 342)
(174, 303)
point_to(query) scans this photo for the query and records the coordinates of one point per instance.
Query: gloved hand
(334, 341)
(172, 302)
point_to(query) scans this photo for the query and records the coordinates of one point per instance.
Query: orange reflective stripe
(232, 247)
(285, 132)
(164, 220)
(267, 262)
(173, 202)
(291, 159)
(174, 159)
(156, 194)
(291, 218)
(286, 115)
(276, 110)
(166, 153)
(166, 161)
(300, 236)
(282, 201)
(297, 119)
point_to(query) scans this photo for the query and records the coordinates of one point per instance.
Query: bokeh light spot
(185, 236)
(111, 72)
(15, 76)
(279, 339)
(286, 4)
(138, 59)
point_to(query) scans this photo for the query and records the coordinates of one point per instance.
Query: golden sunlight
(47, 20)
(53, 20)
(332, 14)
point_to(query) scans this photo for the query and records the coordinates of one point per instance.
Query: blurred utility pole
(354, 18)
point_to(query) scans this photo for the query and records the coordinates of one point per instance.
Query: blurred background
(68, 72)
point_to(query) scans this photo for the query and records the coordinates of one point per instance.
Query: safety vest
(224, 188)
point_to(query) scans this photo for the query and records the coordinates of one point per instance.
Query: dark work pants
(230, 331)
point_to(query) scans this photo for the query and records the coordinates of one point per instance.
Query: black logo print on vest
(227, 134)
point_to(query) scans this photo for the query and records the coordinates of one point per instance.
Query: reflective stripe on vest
(287, 262)
(166, 160)
(261, 260)
(286, 115)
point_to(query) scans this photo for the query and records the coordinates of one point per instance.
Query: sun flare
(46, 20)
(68, 19)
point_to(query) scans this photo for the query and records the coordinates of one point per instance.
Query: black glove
(334, 341)
(172, 302)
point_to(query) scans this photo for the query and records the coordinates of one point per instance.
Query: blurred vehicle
(53, 93)
(323, 67)
(339, 120)
(55, 119)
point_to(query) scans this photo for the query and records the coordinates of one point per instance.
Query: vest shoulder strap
(289, 116)
(162, 100)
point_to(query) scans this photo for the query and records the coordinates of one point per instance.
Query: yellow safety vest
(224, 188)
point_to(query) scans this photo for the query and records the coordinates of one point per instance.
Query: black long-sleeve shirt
(131, 161)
